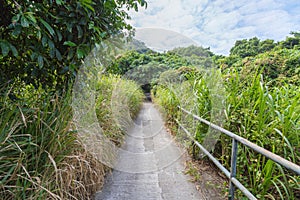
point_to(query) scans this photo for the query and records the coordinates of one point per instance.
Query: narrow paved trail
(152, 165)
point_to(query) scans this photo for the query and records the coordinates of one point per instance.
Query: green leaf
(40, 61)
(87, 4)
(91, 25)
(44, 41)
(69, 27)
(51, 44)
(135, 6)
(59, 2)
(52, 53)
(4, 48)
(70, 54)
(48, 27)
(15, 18)
(17, 30)
(33, 56)
(80, 32)
(70, 44)
(64, 70)
(58, 55)
(24, 22)
(80, 53)
(143, 3)
(58, 33)
(31, 17)
(13, 50)
(39, 35)
(83, 21)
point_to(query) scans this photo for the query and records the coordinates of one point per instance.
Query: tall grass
(35, 138)
(41, 155)
(266, 115)
(118, 100)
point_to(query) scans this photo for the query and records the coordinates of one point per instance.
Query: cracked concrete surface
(152, 165)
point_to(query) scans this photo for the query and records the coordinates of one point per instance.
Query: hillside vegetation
(254, 92)
(42, 46)
(42, 156)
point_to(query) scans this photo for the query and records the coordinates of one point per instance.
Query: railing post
(234, 150)
(233, 182)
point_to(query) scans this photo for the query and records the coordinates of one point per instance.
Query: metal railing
(233, 182)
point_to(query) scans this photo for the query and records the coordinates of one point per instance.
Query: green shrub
(259, 111)
(35, 138)
(41, 156)
(116, 99)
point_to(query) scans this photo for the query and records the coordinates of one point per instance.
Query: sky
(219, 23)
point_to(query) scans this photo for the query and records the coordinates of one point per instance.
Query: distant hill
(138, 45)
(196, 55)
(193, 50)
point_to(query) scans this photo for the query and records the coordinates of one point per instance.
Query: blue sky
(219, 23)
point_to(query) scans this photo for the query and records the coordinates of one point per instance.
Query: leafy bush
(133, 59)
(42, 157)
(35, 138)
(44, 41)
(267, 116)
(111, 92)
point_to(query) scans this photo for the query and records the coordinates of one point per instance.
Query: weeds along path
(154, 168)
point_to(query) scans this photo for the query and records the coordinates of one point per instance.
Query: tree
(133, 59)
(195, 55)
(291, 42)
(252, 47)
(193, 50)
(266, 45)
(44, 41)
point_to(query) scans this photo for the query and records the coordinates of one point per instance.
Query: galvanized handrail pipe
(287, 164)
(234, 150)
(233, 180)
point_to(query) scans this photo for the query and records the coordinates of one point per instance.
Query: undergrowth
(255, 109)
(117, 99)
(41, 154)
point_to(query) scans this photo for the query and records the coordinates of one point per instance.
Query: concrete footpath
(151, 165)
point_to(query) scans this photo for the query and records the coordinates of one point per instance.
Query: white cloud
(220, 23)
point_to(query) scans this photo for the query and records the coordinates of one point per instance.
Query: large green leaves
(46, 37)
(48, 27)
(6, 47)
(70, 44)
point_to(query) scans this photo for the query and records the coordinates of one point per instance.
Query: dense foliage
(254, 46)
(251, 47)
(105, 88)
(195, 55)
(42, 156)
(279, 62)
(261, 103)
(44, 41)
(146, 67)
(267, 116)
(174, 59)
(42, 45)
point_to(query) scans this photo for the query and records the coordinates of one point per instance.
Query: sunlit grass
(261, 112)
(41, 155)
(113, 95)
